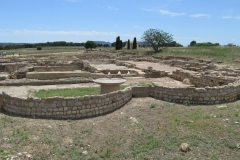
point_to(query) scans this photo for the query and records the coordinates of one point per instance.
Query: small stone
(28, 156)
(19, 153)
(85, 152)
(49, 126)
(222, 106)
(184, 147)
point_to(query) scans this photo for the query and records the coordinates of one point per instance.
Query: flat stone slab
(109, 84)
(3, 76)
(109, 81)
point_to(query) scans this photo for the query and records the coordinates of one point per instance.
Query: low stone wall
(202, 80)
(141, 91)
(126, 64)
(191, 95)
(66, 108)
(155, 74)
(57, 75)
(36, 82)
(10, 67)
(194, 66)
(53, 68)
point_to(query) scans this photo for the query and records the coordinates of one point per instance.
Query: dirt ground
(144, 128)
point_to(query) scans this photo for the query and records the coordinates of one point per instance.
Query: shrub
(238, 96)
(39, 48)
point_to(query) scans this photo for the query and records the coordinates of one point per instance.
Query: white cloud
(166, 12)
(112, 8)
(226, 17)
(73, 0)
(136, 26)
(151, 10)
(231, 17)
(200, 15)
(62, 33)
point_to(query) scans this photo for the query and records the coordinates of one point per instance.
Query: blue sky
(34, 21)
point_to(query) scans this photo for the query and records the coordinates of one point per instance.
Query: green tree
(156, 38)
(193, 43)
(134, 43)
(118, 43)
(90, 44)
(39, 48)
(121, 44)
(128, 44)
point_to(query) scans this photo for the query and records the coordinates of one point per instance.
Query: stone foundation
(202, 80)
(66, 108)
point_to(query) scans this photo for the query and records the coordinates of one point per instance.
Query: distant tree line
(194, 43)
(102, 45)
(34, 45)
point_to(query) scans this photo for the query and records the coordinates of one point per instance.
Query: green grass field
(45, 50)
(219, 53)
(215, 52)
(70, 92)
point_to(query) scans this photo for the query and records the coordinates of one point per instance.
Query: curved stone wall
(192, 95)
(91, 106)
(66, 108)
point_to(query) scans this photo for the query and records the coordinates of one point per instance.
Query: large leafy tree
(90, 44)
(158, 39)
(193, 43)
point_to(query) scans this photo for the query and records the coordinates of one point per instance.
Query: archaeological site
(169, 78)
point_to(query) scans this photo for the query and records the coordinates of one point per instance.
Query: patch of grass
(74, 92)
(122, 87)
(148, 143)
(171, 143)
(23, 135)
(106, 153)
(70, 92)
(196, 115)
(87, 130)
(187, 103)
(216, 52)
(153, 105)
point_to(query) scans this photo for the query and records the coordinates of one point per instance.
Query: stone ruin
(207, 83)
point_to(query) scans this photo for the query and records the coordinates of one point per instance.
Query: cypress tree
(128, 44)
(118, 43)
(134, 43)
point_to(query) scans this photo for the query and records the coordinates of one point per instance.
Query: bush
(39, 48)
